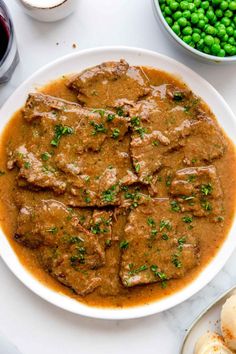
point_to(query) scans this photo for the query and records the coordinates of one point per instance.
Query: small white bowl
(77, 62)
(191, 50)
(48, 11)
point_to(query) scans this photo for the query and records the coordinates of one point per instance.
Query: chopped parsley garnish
(138, 270)
(165, 237)
(150, 221)
(187, 197)
(108, 243)
(206, 189)
(155, 143)
(191, 178)
(27, 165)
(181, 242)
(100, 111)
(59, 131)
(206, 205)
(124, 244)
(53, 230)
(45, 156)
(2, 173)
(137, 167)
(141, 131)
(109, 195)
(75, 239)
(168, 181)
(135, 121)
(187, 219)
(110, 117)
(165, 224)
(115, 133)
(154, 232)
(175, 260)
(178, 96)
(161, 275)
(87, 200)
(175, 206)
(120, 111)
(220, 218)
(98, 128)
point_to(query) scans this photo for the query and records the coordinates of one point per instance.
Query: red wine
(9, 57)
(4, 36)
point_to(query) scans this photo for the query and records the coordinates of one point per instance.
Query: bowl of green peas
(204, 28)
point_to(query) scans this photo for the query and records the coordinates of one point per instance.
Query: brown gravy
(214, 226)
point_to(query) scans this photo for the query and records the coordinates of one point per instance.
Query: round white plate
(75, 63)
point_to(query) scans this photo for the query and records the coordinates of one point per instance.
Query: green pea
(194, 18)
(197, 3)
(209, 40)
(196, 30)
(205, 5)
(221, 53)
(187, 30)
(187, 14)
(235, 34)
(176, 28)
(210, 14)
(177, 15)
(227, 48)
(219, 13)
(231, 41)
(201, 24)
(206, 50)
(215, 48)
(216, 2)
(233, 50)
(225, 38)
(184, 5)
(191, 7)
(216, 40)
(230, 30)
(232, 5)
(169, 20)
(167, 11)
(210, 30)
(228, 13)
(221, 32)
(182, 22)
(187, 39)
(174, 5)
(203, 34)
(196, 37)
(224, 5)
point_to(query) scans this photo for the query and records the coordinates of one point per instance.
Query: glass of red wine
(9, 56)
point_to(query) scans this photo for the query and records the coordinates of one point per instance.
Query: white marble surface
(35, 326)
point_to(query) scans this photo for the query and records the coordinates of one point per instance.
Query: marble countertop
(35, 326)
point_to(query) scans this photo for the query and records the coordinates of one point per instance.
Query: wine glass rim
(9, 45)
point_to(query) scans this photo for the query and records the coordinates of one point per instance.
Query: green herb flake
(175, 260)
(155, 143)
(206, 189)
(120, 111)
(191, 178)
(2, 173)
(206, 205)
(59, 131)
(135, 121)
(109, 195)
(175, 206)
(98, 128)
(137, 167)
(27, 165)
(178, 96)
(138, 270)
(165, 224)
(141, 131)
(45, 156)
(168, 181)
(53, 230)
(124, 244)
(187, 219)
(110, 117)
(116, 133)
(165, 237)
(150, 221)
(101, 112)
(108, 243)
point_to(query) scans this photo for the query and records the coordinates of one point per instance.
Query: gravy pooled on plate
(117, 185)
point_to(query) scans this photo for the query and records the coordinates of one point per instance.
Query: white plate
(75, 63)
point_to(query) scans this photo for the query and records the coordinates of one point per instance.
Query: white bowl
(191, 50)
(75, 63)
